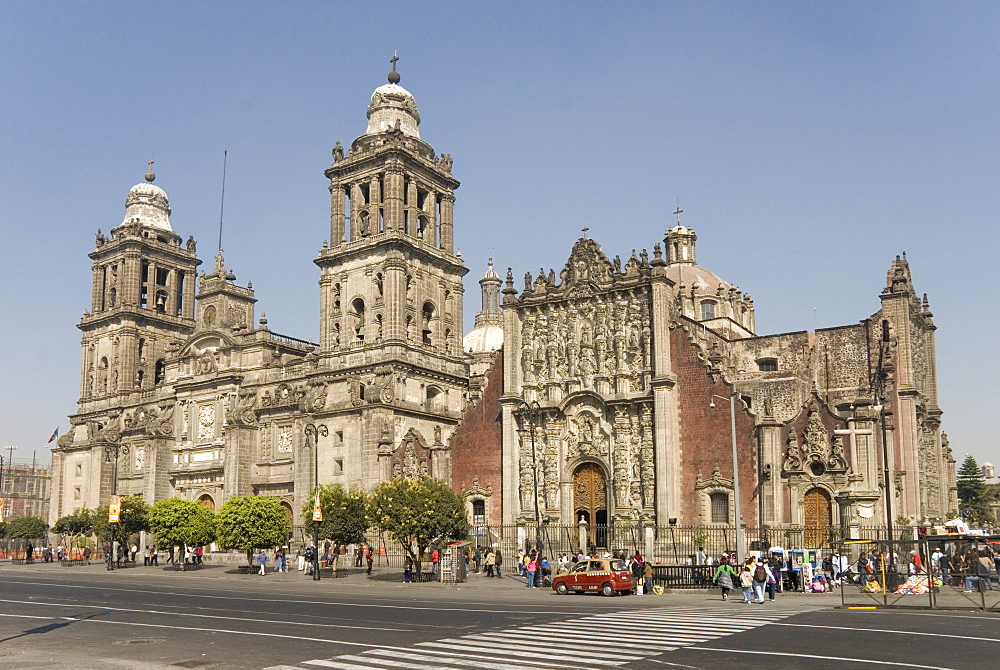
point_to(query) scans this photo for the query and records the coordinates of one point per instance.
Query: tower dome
(487, 336)
(148, 204)
(392, 106)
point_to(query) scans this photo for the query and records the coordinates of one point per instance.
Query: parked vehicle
(606, 576)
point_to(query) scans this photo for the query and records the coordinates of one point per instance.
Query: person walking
(531, 567)
(773, 581)
(637, 572)
(491, 560)
(86, 555)
(647, 576)
(746, 583)
(725, 577)
(369, 559)
(498, 561)
(408, 570)
(262, 561)
(759, 580)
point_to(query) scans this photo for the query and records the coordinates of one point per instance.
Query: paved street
(151, 618)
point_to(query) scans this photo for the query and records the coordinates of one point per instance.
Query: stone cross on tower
(678, 212)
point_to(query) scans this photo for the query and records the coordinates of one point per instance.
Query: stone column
(393, 199)
(98, 286)
(326, 340)
(379, 221)
(355, 212)
(190, 280)
(447, 222)
(336, 213)
(411, 208)
(394, 288)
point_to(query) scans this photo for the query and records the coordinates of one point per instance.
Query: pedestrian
(133, 552)
(725, 577)
(408, 570)
(637, 571)
(478, 558)
(86, 555)
(262, 561)
(520, 562)
(309, 558)
(170, 554)
(29, 553)
(491, 560)
(435, 559)
(369, 559)
(773, 581)
(199, 554)
(647, 576)
(746, 583)
(154, 556)
(759, 580)
(531, 567)
(359, 556)
(497, 562)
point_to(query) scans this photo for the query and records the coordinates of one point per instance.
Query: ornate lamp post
(115, 449)
(531, 414)
(313, 431)
(736, 473)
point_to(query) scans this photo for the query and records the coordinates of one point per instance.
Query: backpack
(760, 574)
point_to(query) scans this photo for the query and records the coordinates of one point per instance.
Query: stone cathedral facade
(186, 392)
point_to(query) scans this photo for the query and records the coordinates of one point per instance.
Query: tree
(974, 496)
(416, 512)
(27, 528)
(133, 518)
(345, 514)
(80, 522)
(252, 522)
(182, 523)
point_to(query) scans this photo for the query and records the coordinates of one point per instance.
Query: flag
(55, 434)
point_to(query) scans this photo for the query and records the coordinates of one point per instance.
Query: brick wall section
(705, 436)
(477, 441)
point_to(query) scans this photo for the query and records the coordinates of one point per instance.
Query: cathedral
(610, 390)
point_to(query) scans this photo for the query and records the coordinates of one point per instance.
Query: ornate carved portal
(590, 501)
(818, 517)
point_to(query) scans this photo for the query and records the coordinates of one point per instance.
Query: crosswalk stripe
(465, 662)
(590, 639)
(559, 657)
(592, 642)
(511, 648)
(531, 642)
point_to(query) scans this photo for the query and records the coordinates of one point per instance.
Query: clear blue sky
(807, 142)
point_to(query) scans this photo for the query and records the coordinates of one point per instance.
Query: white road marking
(824, 658)
(894, 632)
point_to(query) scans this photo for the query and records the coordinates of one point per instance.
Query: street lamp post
(314, 431)
(531, 413)
(115, 449)
(736, 473)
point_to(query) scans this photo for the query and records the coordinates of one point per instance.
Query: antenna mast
(222, 207)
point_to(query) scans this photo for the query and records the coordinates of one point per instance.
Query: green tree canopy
(27, 528)
(419, 511)
(345, 514)
(178, 522)
(252, 522)
(134, 518)
(80, 522)
(974, 496)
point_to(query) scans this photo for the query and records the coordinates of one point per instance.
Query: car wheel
(561, 589)
(607, 589)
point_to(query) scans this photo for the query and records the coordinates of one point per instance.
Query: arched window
(767, 364)
(138, 378)
(479, 513)
(113, 296)
(707, 310)
(102, 375)
(720, 507)
(142, 347)
(160, 372)
(434, 399)
(427, 314)
(358, 311)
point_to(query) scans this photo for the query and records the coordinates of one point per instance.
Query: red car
(606, 576)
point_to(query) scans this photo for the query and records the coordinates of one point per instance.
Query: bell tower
(142, 298)
(391, 294)
(390, 281)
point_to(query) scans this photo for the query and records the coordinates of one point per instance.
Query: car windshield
(618, 565)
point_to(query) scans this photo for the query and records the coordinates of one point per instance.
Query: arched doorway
(818, 517)
(590, 501)
(206, 501)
